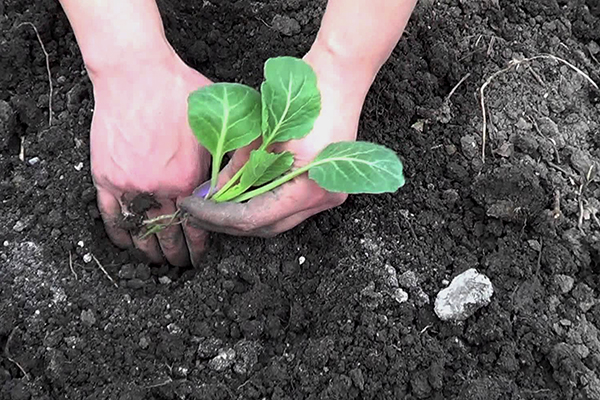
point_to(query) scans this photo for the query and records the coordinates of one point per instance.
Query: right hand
(141, 143)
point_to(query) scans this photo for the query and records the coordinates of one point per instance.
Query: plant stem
(215, 176)
(229, 184)
(235, 177)
(274, 184)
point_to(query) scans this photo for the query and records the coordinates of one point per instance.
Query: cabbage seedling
(227, 116)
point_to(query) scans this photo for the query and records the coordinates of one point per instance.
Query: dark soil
(257, 323)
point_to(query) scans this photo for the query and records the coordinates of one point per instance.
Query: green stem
(215, 176)
(273, 185)
(218, 196)
(229, 184)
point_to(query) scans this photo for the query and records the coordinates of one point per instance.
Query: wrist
(346, 77)
(114, 35)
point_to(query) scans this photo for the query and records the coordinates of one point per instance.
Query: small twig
(464, 78)
(512, 64)
(425, 329)
(47, 69)
(71, 265)
(9, 357)
(483, 109)
(412, 230)
(263, 21)
(536, 76)
(556, 209)
(22, 149)
(104, 271)
(561, 169)
(539, 260)
(596, 219)
(586, 180)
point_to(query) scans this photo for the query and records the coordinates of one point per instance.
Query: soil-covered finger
(196, 239)
(148, 245)
(170, 237)
(110, 210)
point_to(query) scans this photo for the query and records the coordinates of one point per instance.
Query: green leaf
(357, 167)
(224, 117)
(291, 101)
(261, 167)
(278, 167)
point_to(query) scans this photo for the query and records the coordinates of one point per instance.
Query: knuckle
(246, 226)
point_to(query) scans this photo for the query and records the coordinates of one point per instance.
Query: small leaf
(261, 167)
(278, 167)
(224, 117)
(291, 101)
(357, 167)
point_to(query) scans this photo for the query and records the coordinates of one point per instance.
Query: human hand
(141, 143)
(342, 97)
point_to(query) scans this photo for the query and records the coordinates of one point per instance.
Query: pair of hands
(141, 143)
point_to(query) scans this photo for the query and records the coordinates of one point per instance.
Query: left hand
(290, 204)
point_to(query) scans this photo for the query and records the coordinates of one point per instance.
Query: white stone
(87, 258)
(399, 295)
(301, 260)
(467, 293)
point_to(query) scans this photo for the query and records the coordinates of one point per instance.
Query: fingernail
(202, 190)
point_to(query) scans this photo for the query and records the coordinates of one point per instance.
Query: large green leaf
(224, 117)
(291, 101)
(261, 167)
(357, 167)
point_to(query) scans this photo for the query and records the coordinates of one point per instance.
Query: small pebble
(34, 160)
(223, 360)
(399, 295)
(174, 329)
(79, 166)
(144, 342)
(564, 282)
(127, 271)
(467, 293)
(88, 318)
(209, 347)
(87, 258)
(19, 226)
(392, 277)
(408, 280)
(285, 25)
(164, 280)
(301, 260)
(80, 243)
(143, 272)
(135, 283)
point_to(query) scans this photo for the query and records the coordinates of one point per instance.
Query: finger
(269, 231)
(258, 212)
(196, 239)
(170, 239)
(148, 245)
(110, 209)
(334, 200)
